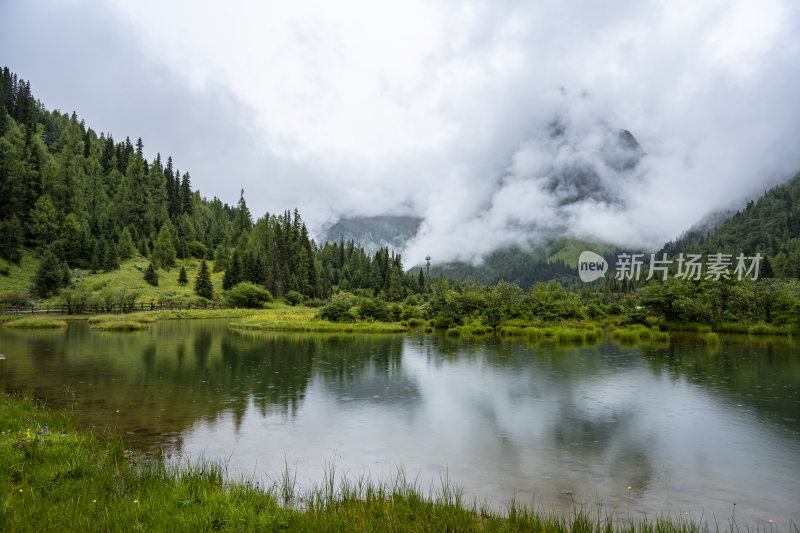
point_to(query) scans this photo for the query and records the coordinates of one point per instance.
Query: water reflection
(548, 423)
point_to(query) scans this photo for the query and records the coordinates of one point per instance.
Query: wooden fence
(64, 309)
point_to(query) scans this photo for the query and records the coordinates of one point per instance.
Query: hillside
(769, 226)
(77, 206)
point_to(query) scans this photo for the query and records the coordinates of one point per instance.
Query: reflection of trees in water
(761, 373)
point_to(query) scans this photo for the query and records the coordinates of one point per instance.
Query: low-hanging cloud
(497, 123)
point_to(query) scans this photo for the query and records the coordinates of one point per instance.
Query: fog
(498, 123)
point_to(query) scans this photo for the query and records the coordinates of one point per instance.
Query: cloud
(444, 109)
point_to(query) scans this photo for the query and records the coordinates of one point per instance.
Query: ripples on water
(686, 427)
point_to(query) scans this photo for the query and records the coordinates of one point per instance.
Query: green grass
(127, 277)
(511, 331)
(660, 336)
(711, 339)
(119, 325)
(122, 322)
(627, 335)
(36, 322)
(732, 327)
(55, 478)
(288, 324)
(767, 329)
(640, 333)
(682, 326)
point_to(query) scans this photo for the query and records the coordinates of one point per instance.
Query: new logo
(591, 266)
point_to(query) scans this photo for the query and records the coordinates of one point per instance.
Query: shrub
(196, 249)
(374, 308)
(294, 297)
(338, 310)
(246, 294)
(595, 311)
(14, 299)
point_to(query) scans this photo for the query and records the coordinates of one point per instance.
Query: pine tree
(164, 251)
(182, 278)
(233, 274)
(110, 258)
(11, 239)
(150, 275)
(243, 221)
(125, 246)
(202, 285)
(186, 194)
(51, 275)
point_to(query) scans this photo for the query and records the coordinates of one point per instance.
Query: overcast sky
(444, 110)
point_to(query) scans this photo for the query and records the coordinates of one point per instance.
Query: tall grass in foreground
(55, 478)
(36, 322)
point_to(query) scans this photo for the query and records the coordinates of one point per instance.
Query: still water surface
(687, 428)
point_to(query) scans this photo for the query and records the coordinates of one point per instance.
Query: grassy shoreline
(279, 317)
(53, 477)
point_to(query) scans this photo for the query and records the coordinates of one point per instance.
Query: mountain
(769, 226)
(374, 233)
(557, 260)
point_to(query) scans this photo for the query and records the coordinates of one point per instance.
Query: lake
(634, 429)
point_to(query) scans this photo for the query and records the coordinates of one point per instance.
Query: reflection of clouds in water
(503, 418)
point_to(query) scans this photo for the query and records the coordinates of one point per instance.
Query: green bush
(246, 294)
(374, 308)
(294, 297)
(14, 299)
(197, 249)
(338, 310)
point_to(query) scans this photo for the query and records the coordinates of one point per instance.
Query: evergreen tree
(11, 239)
(221, 258)
(51, 275)
(164, 253)
(186, 194)
(233, 274)
(150, 275)
(202, 285)
(766, 271)
(110, 257)
(125, 246)
(243, 221)
(182, 278)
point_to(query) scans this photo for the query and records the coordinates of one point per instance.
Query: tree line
(79, 199)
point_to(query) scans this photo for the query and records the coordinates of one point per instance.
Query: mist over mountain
(374, 233)
(498, 124)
